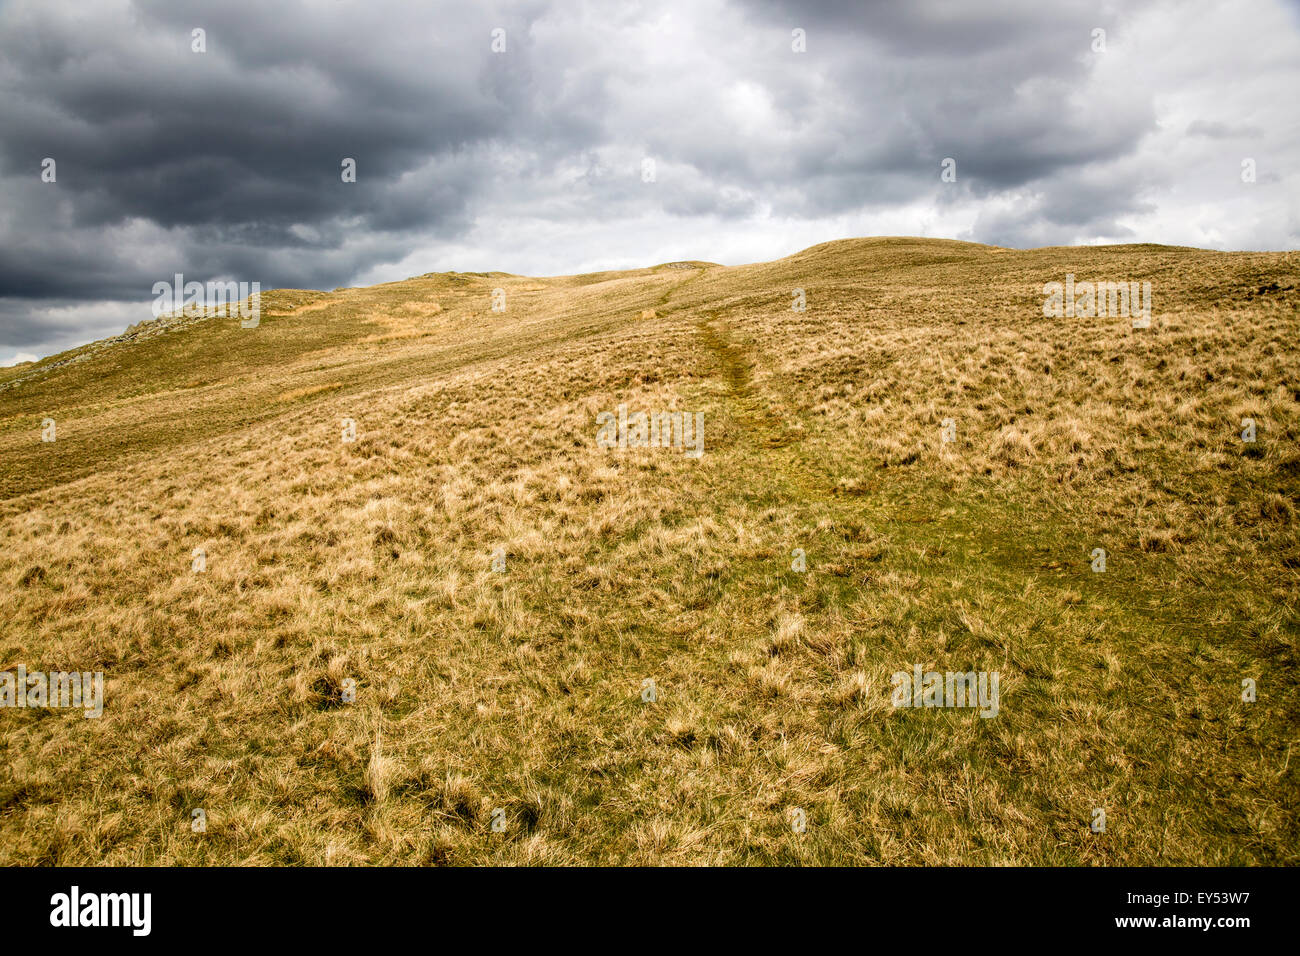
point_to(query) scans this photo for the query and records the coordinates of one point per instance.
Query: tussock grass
(367, 567)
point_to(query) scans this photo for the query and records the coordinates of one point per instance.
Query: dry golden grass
(501, 717)
(310, 391)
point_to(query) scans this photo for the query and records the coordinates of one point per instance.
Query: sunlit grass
(517, 696)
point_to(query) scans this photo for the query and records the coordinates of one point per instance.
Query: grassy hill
(499, 717)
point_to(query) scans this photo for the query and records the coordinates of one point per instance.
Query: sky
(560, 137)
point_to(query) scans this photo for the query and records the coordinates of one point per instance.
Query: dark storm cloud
(146, 128)
(227, 163)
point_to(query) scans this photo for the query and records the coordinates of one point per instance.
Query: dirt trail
(736, 364)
